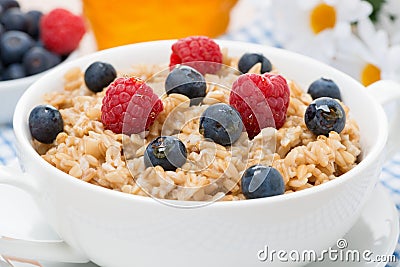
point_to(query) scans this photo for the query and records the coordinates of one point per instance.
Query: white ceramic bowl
(117, 229)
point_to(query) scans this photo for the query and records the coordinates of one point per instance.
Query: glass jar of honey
(123, 22)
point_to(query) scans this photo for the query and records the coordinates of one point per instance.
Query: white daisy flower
(368, 57)
(314, 27)
(389, 20)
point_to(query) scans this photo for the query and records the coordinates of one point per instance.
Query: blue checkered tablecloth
(256, 31)
(7, 148)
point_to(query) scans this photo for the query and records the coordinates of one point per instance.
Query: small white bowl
(12, 90)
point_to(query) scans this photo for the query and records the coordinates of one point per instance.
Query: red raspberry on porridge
(199, 52)
(129, 106)
(262, 101)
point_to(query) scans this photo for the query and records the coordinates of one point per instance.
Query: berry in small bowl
(31, 43)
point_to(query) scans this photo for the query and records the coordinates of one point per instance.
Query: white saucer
(377, 229)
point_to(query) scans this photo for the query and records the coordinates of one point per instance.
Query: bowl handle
(386, 91)
(56, 250)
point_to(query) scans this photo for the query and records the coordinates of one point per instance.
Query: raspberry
(262, 101)
(197, 48)
(129, 106)
(61, 31)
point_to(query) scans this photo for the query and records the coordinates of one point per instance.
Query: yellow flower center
(322, 17)
(370, 74)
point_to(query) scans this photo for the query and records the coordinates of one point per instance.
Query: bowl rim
(4, 85)
(24, 144)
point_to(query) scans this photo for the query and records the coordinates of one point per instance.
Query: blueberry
(13, 71)
(2, 30)
(324, 87)
(99, 75)
(1, 67)
(54, 59)
(187, 81)
(45, 123)
(166, 151)
(221, 123)
(39, 43)
(38, 59)
(14, 20)
(7, 4)
(324, 115)
(248, 60)
(13, 46)
(260, 181)
(33, 18)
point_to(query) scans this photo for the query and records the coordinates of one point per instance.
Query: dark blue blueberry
(1, 67)
(33, 18)
(99, 75)
(221, 123)
(13, 71)
(187, 81)
(166, 151)
(2, 30)
(13, 46)
(45, 123)
(39, 43)
(54, 59)
(324, 87)
(14, 20)
(260, 181)
(324, 115)
(38, 59)
(7, 4)
(248, 60)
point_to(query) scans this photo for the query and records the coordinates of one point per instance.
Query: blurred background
(217, 18)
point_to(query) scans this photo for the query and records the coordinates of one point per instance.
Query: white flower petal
(391, 68)
(380, 45)
(353, 10)
(391, 7)
(395, 39)
(308, 5)
(342, 30)
(331, 2)
(389, 20)
(349, 65)
(366, 30)
(321, 47)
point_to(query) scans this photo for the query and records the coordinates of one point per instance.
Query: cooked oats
(87, 151)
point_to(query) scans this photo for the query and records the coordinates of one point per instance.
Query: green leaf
(376, 4)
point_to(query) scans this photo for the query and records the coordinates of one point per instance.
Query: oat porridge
(92, 147)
